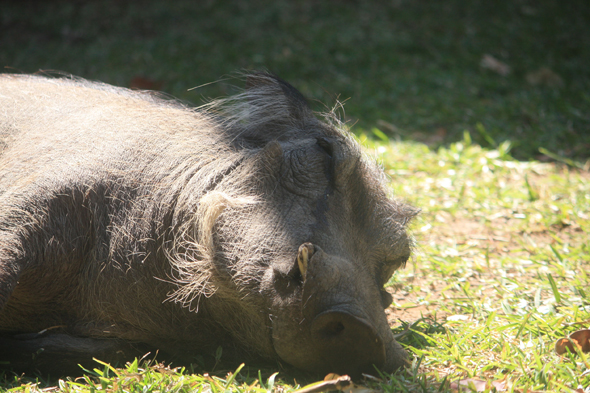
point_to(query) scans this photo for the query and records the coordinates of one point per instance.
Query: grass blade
(556, 294)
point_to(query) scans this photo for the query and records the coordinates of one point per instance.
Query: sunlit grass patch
(502, 260)
(153, 377)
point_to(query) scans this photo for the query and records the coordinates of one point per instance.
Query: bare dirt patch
(491, 237)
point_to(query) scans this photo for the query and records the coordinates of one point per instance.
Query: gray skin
(130, 222)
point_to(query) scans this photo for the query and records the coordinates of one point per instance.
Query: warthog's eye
(401, 262)
(390, 267)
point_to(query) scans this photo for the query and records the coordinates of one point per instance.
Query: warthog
(129, 221)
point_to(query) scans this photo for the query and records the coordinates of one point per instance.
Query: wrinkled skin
(129, 223)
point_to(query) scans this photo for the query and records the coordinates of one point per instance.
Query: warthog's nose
(347, 344)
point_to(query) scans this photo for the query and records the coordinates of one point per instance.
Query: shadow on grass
(410, 68)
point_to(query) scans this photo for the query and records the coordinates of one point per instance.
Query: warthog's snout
(348, 343)
(341, 325)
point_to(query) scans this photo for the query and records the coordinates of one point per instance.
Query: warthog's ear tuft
(268, 109)
(265, 82)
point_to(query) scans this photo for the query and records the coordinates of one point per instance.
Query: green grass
(502, 261)
(502, 253)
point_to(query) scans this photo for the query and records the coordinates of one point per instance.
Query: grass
(499, 274)
(502, 254)
(502, 262)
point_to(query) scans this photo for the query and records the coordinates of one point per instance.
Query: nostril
(332, 329)
(347, 344)
(338, 328)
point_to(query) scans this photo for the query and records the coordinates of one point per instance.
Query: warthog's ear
(279, 90)
(268, 109)
(274, 109)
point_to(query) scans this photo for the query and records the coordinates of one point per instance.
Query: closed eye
(391, 267)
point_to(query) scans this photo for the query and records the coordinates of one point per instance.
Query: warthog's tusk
(305, 252)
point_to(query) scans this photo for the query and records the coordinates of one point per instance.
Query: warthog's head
(308, 236)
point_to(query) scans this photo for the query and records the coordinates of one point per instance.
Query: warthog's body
(127, 220)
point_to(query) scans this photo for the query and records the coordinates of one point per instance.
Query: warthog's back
(69, 127)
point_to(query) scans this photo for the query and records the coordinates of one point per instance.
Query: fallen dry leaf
(544, 76)
(581, 339)
(330, 382)
(491, 63)
(143, 83)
